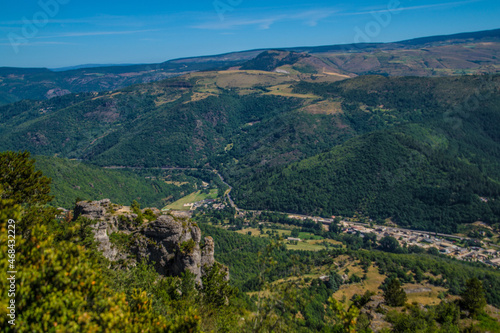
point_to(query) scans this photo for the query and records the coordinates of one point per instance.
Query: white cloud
(98, 33)
(411, 8)
(89, 33)
(41, 43)
(310, 18)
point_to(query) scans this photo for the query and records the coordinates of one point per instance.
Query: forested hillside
(149, 125)
(424, 152)
(75, 180)
(435, 165)
(408, 175)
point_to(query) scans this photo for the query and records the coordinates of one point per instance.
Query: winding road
(227, 194)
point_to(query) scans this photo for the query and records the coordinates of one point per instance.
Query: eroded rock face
(375, 310)
(57, 92)
(94, 210)
(105, 226)
(171, 243)
(207, 255)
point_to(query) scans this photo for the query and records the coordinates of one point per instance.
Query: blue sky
(58, 33)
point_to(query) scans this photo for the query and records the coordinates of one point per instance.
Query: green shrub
(187, 247)
(149, 215)
(120, 240)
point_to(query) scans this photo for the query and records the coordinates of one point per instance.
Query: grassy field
(308, 235)
(426, 297)
(311, 245)
(286, 90)
(192, 198)
(324, 107)
(256, 232)
(310, 242)
(211, 81)
(306, 246)
(374, 280)
(209, 84)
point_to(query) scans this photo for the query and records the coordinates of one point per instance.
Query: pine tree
(394, 295)
(216, 289)
(20, 182)
(473, 298)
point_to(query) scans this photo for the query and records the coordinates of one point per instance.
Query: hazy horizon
(64, 33)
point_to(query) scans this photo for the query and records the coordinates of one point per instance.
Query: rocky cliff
(172, 243)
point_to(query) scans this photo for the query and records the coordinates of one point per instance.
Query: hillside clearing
(192, 198)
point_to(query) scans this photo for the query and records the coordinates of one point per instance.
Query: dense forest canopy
(423, 152)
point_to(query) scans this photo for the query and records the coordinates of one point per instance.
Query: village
(445, 244)
(461, 248)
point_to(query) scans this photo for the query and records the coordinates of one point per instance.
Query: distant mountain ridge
(419, 41)
(249, 54)
(464, 53)
(69, 68)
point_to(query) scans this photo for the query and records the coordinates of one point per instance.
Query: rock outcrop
(106, 224)
(375, 309)
(172, 243)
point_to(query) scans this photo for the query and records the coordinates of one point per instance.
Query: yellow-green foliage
(61, 289)
(346, 319)
(60, 286)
